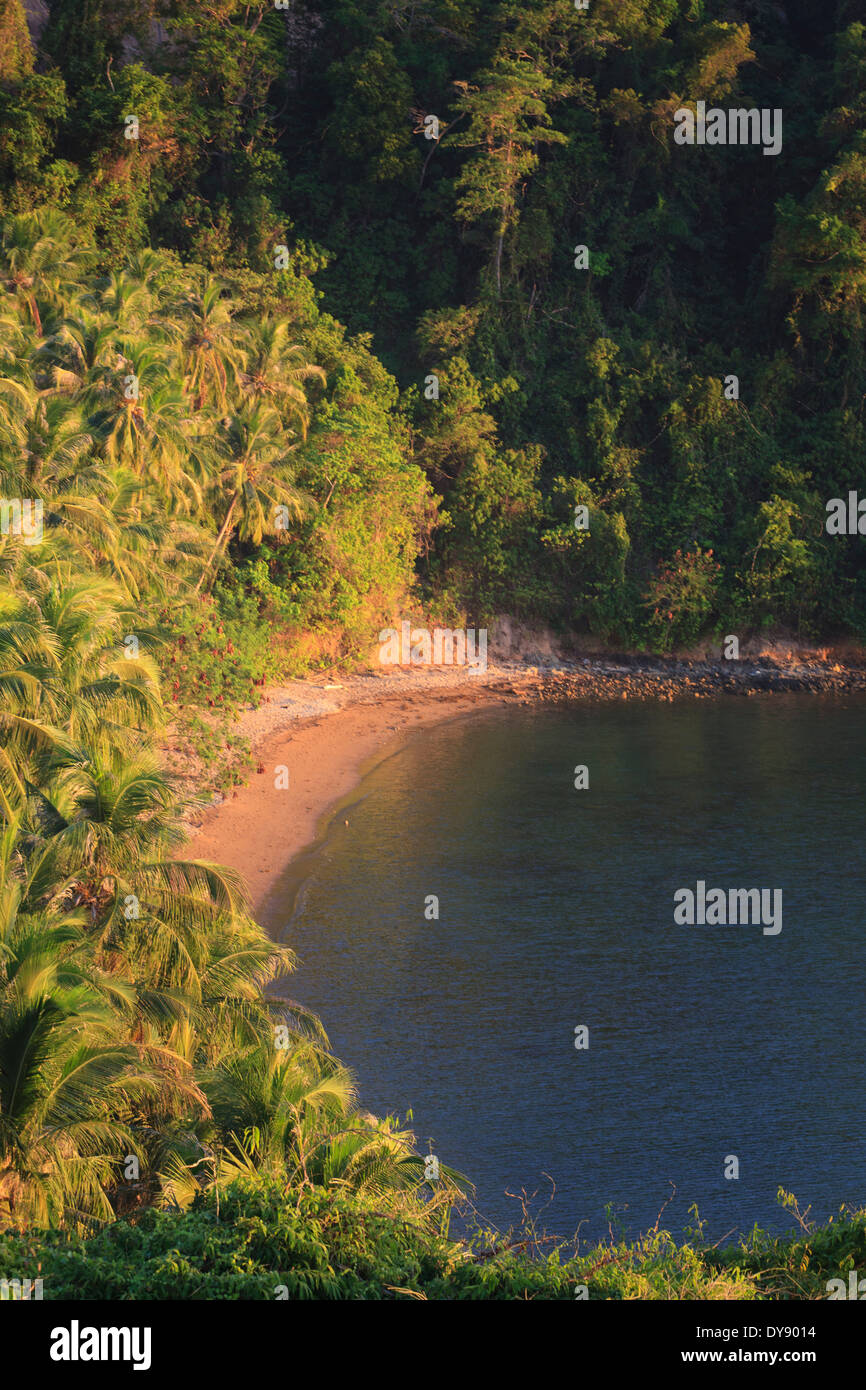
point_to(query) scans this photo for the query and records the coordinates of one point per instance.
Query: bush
(260, 1241)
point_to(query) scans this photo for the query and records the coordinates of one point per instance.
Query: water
(556, 909)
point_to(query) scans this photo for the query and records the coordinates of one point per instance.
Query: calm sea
(556, 911)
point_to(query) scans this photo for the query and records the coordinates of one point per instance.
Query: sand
(325, 740)
(323, 735)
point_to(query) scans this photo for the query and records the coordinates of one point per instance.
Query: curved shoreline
(262, 830)
(328, 742)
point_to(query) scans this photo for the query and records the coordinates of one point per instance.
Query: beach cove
(498, 949)
(326, 733)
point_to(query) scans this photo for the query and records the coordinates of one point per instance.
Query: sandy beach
(321, 736)
(325, 739)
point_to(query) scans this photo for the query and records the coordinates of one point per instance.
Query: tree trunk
(503, 223)
(219, 540)
(499, 260)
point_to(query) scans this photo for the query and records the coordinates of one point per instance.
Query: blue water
(556, 909)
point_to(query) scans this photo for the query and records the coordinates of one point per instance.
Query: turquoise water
(556, 909)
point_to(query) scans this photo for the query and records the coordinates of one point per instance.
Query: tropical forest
(314, 316)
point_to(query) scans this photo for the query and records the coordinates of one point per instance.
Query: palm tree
(274, 1092)
(255, 479)
(18, 338)
(40, 260)
(291, 1112)
(69, 1083)
(53, 439)
(144, 422)
(379, 1157)
(82, 347)
(160, 273)
(213, 353)
(67, 637)
(276, 368)
(147, 551)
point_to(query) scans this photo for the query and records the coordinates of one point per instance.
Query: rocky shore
(659, 678)
(314, 739)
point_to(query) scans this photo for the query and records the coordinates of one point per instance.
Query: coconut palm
(160, 273)
(147, 551)
(378, 1156)
(272, 1092)
(50, 439)
(144, 422)
(83, 346)
(255, 480)
(41, 263)
(68, 635)
(290, 1112)
(128, 303)
(18, 339)
(277, 368)
(213, 352)
(70, 1086)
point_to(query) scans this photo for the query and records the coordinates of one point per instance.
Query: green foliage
(682, 597)
(457, 254)
(261, 1240)
(216, 653)
(494, 518)
(159, 421)
(16, 53)
(233, 486)
(29, 115)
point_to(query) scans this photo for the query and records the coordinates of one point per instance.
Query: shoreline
(262, 829)
(327, 735)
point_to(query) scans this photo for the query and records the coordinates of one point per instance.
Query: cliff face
(38, 14)
(16, 52)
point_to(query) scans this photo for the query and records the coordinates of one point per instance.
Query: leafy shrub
(682, 597)
(261, 1241)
